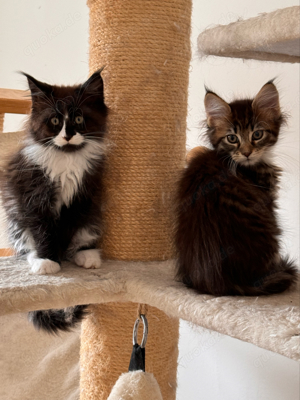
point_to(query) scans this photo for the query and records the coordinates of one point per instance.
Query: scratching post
(145, 48)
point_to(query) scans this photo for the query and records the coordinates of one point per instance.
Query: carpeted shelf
(271, 36)
(270, 322)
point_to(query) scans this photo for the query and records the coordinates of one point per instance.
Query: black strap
(137, 360)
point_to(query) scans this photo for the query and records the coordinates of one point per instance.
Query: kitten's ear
(36, 87)
(217, 110)
(266, 102)
(94, 84)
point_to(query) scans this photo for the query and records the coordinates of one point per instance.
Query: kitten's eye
(55, 121)
(257, 135)
(79, 119)
(232, 139)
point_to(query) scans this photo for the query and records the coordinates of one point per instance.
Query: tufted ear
(266, 102)
(217, 110)
(36, 87)
(94, 84)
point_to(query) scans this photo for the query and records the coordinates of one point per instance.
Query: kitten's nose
(69, 133)
(67, 138)
(247, 153)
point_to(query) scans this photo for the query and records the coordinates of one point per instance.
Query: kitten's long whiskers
(51, 106)
(70, 100)
(44, 139)
(46, 99)
(225, 158)
(94, 137)
(233, 166)
(80, 94)
(263, 187)
(92, 95)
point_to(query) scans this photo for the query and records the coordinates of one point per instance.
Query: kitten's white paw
(44, 266)
(88, 258)
(31, 257)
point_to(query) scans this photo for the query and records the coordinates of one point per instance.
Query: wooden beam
(6, 252)
(15, 101)
(1, 122)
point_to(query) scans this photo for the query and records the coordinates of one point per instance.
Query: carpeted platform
(270, 322)
(271, 36)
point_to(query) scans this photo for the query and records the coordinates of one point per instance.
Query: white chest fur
(65, 169)
(68, 173)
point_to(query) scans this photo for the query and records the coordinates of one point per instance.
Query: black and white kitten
(51, 188)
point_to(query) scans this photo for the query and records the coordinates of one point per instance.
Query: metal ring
(145, 331)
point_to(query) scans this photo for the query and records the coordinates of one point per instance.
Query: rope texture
(145, 48)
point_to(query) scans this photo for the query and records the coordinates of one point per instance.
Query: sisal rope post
(145, 48)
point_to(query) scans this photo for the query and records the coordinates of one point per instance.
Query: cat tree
(145, 48)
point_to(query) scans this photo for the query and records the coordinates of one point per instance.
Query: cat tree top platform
(271, 36)
(270, 322)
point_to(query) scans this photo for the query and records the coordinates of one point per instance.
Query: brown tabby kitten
(227, 232)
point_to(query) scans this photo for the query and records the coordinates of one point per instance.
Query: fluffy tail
(53, 321)
(281, 277)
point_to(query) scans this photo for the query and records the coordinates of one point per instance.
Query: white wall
(50, 41)
(46, 39)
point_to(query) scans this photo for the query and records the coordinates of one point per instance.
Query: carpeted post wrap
(145, 48)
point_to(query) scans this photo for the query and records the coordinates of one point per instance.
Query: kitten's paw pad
(88, 258)
(44, 266)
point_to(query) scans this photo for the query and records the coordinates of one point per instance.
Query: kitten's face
(244, 130)
(67, 117)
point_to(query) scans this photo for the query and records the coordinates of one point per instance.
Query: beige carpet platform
(271, 36)
(269, 322)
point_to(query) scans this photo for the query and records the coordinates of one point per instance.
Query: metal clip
(145, 331)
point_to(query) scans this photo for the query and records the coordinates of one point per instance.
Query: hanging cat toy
(136, 384)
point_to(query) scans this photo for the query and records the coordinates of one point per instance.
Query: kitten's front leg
(42, 266)
(88, 258)
(45, 257)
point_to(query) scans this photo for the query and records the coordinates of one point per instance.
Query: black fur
(227, 234)
(53, 321)
(33, 196)
(42, 219)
